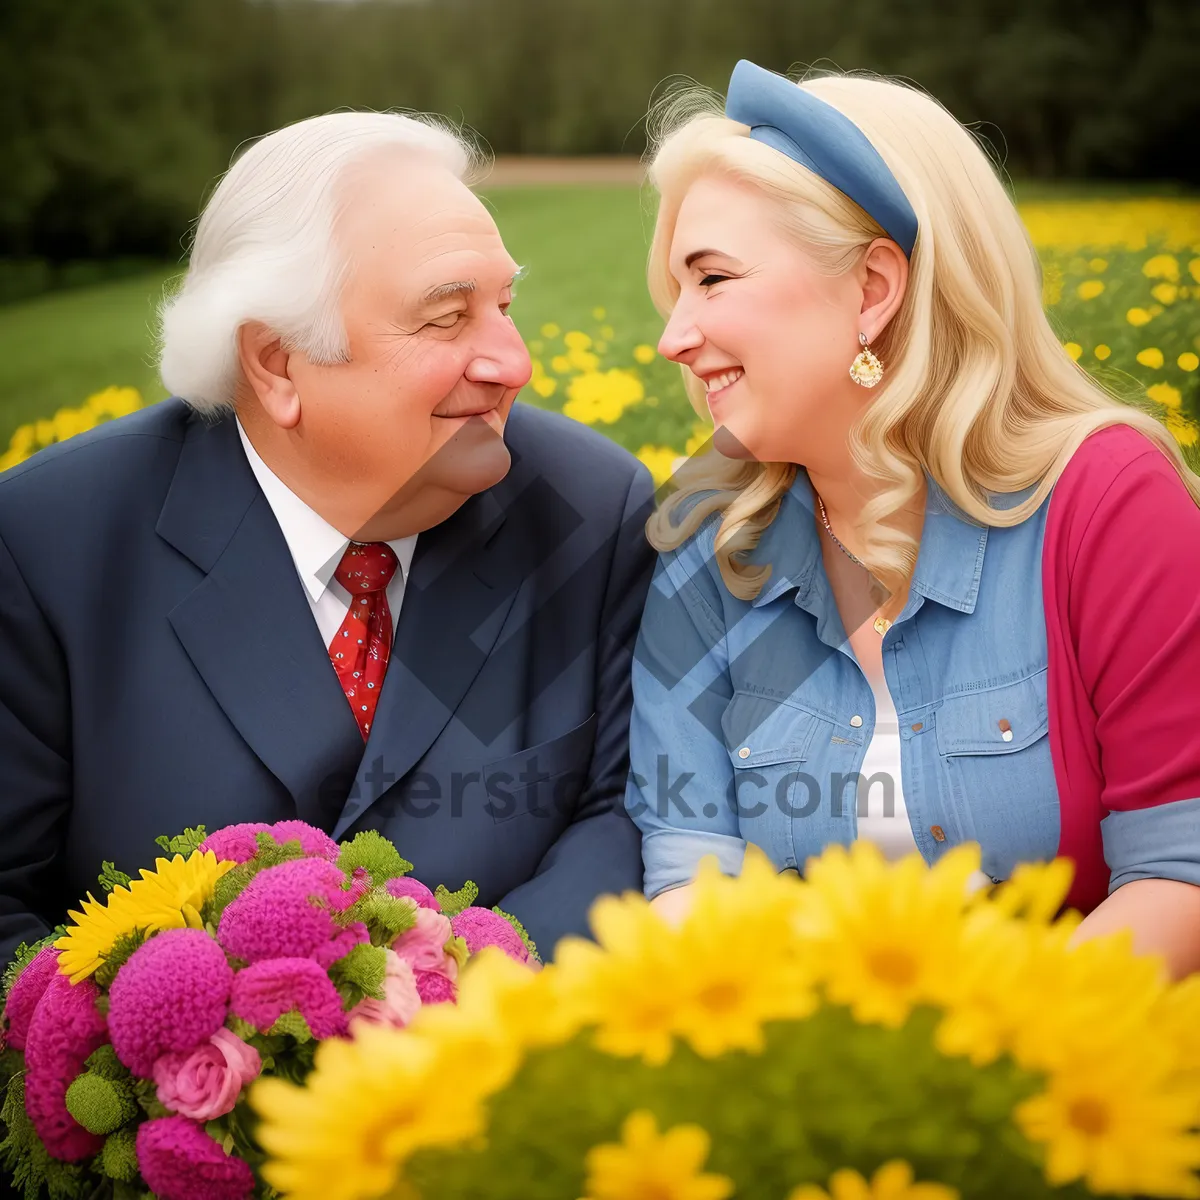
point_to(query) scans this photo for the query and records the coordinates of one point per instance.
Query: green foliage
(105, 1063)
(185, 843)
(292, 1025)
(376, 855)
(824, 1093)
(118, 1159)
(100, 1105)
(360, 974)
(118, 955)
(146, 1093)
(524, 936)
(111, 878)
(386, 917)
(452, 903)
(25, 1158)
(457, 949)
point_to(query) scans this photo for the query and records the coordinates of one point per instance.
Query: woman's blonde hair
(978, 391)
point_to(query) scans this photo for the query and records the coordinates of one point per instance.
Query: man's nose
(682, 336)
(501, 356)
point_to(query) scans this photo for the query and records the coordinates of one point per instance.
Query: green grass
(584, 249)
(58, 349)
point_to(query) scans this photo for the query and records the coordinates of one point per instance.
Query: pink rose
(423, 947)
(400, 1000)
(206, 1083)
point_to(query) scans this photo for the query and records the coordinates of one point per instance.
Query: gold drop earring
(866, 370)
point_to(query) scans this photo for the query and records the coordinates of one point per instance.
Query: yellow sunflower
(169, 897)
(885, 937)
(742, 965)
(893, 1181)
(726, 969)
(647, 1165)
(1116, 1122)
(1080, 1003)
(366, 1106)
(604, 983)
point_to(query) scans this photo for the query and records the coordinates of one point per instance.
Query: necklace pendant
(882, 625)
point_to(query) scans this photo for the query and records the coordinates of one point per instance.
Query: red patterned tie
(361, 646)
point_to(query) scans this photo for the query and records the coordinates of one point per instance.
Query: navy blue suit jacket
(160, 668)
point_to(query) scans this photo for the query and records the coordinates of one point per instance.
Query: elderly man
(340, 575)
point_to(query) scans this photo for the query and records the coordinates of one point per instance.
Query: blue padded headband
(793, 121)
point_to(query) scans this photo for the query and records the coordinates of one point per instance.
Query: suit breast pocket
(543, 780)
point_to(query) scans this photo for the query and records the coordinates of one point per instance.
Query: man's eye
(709, 280)
(448, 321)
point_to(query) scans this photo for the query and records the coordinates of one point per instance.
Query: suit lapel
(248, 628)
(460, 589)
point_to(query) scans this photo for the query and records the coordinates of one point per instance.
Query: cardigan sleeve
(1132, 588)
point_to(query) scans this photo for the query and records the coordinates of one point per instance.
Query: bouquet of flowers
(871, 1032)
(131, 1036)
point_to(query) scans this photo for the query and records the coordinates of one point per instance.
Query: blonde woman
(931, 584)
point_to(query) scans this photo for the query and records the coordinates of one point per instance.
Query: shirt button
(856, 720)
(918, 727)
(1005, 729)
(939, 834)
(744, 752)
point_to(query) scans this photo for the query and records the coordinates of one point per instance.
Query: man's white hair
(265, 248)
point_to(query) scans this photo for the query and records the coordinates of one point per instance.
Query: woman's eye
(709, 280)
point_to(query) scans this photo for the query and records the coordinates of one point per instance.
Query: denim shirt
(751, 719)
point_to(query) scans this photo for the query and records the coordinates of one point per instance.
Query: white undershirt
(886, 825)
(889, 827)
(317, 548)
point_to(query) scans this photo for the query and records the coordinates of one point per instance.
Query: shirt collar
(949, 561)
(315, 545)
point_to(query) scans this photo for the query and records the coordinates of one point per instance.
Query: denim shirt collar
(949, 560)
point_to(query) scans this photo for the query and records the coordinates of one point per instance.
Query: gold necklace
(880, 624)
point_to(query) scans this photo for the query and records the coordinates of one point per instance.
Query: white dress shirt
(317, 548)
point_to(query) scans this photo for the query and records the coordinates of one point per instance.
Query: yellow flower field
(1121, 283)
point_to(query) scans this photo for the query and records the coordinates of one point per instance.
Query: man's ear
(265, 367)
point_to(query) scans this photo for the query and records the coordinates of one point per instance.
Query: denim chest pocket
(768, 740)
(997, 767)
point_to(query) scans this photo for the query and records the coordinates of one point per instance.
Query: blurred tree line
(117, 116)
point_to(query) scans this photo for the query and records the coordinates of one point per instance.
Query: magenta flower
(434, 988)
(66, 1028)
(235, 843)
(480, 927)
(25, 993)
(312, 841)
(291, 911)
(179, 1161)
(414, 889)
(171, 996)
(263, 992)
(206, 1083)
(423, 947)
(400, 1002)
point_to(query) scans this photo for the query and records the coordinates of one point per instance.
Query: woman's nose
(682, 336)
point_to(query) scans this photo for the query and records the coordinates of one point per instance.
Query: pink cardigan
(1121, 585)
